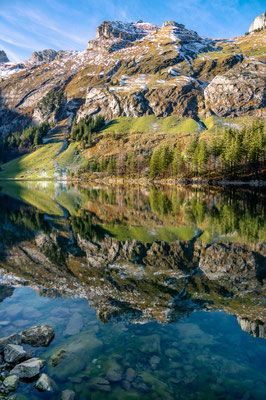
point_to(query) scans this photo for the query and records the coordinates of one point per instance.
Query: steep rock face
(123, 30)
(182, 100)
(3, 57)
(43, 56)
(258, 23)
(134, 69)
(232, 95)
(115, 35)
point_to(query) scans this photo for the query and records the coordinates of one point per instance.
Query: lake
(153, 293)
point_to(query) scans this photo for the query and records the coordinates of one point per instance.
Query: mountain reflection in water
(145, 288)
(139, 254)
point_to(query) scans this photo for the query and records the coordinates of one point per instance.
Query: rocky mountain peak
(173, 24)
(116, 34)
(43, 56)
(258, 23)
(3, 57)
(130, 31)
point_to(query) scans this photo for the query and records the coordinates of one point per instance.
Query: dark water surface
(153, 294)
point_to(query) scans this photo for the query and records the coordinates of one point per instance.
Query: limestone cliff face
(258, 23)
(229, 95)
(135, 69)
(44, 55)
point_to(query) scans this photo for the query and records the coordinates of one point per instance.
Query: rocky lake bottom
(151, 294)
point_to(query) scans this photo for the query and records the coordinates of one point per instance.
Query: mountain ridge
(137, 69)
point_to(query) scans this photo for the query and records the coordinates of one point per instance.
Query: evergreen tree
(37, 138)
(178, 162)
(202, 155)
(154, 166)
(165, 157)
(112, 166)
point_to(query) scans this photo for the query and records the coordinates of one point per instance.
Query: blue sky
(30, 25)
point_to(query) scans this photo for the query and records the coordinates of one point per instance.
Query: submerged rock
(130, 374)
(114, 374)
(44, 383)
(68, 395)
(101, 384)
(12, 339)
(14, 353)
(58, 357)
(29, 368)
(74, 325)
(38, 336)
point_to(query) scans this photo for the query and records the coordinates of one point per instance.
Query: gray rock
(14, 353)
(230, 94)
(44, 383)
(12, 339)
(100, 384)
(130, 374)
(114, 374)
(29, 368)
(43, 56)
(38, 336)
(10, 384)
(68, 395)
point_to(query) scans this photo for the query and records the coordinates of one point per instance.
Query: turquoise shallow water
(152, 293)
(204, 355)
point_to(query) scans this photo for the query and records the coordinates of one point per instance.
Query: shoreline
(144, 181)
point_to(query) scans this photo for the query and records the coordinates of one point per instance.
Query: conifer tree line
(83, 129)
(26, 140)
(232, 152)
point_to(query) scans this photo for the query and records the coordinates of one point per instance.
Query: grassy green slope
(151, 123)
(54, 158)
(49, 161)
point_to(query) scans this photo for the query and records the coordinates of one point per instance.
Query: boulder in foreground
(38, 336)
(44, 383)
(14, 353)
(12, 339)
(29, 368)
